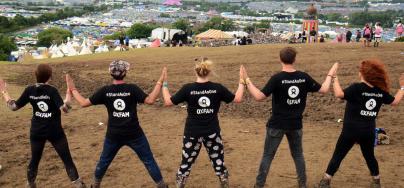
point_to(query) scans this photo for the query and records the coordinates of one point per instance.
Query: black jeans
(62, 148)
(272, 141)
(349, 136)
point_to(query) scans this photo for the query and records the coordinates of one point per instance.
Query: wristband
(247, 81)
(332, 76)
(242, 81)
(165, 84)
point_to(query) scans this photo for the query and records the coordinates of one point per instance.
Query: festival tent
(85, 50)
(55, 52)
(172, 2)
(156, 43)
(101, 49)
(164, 33)
(213, 34)
(70, 50)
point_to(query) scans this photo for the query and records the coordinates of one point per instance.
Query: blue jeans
(140, 146)
(272, 141)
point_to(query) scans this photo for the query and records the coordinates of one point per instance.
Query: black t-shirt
(363, 105)
(313, 32)
(121, 102)
(289, 92)
(46, 102)
(203, 105)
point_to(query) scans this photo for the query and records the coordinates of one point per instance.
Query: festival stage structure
(310, 23)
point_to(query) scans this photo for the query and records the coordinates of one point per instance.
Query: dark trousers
(191, 148)
(349, 136)
(62, 148)
(272, 141)
(140, 146)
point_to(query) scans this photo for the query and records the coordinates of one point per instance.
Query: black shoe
(324, 183)
(375, 183)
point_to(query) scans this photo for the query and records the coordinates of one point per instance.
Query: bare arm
(400, 92)
(167, 95)
(325, 87)
(338, 92)
(254, 91)
(67, 102)
(83, 102)
(151, 99)
(240, 90)
(10, 102)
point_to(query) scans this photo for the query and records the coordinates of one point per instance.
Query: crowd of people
(289, 89)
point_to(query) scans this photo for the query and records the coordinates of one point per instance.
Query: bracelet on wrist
(159, 83)
(165, 84)
(242, 81)
(247, 81)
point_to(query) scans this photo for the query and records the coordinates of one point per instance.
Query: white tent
(55, 52)
(70, 50)
(118, 48)
(85, 50)
(101, 49)
(164, 33)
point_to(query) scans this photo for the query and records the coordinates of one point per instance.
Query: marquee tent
(213, 34)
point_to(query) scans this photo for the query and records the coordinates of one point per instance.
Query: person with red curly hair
(364, 100)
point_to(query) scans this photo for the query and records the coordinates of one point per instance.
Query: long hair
(374, 72)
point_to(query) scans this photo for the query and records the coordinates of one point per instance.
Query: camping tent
(213, 34)
(85, 50)
(164, 33)
(156, 43)
(102, 48)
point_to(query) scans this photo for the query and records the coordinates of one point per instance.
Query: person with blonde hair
(363, 102)
(46, 123)
(202, 124)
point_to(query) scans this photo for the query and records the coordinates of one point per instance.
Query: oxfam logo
(293, 92)
(204, 102)
(119, 104)
(43, 106)
(371, 104)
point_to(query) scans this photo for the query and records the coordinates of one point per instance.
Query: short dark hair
(119, 77)
(288, 55)
(43, 73)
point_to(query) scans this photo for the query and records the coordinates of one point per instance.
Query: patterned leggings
(191, 148)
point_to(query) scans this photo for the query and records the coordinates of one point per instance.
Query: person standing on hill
(127, 42)
(367, 34)
(378, 34)
(289, 89)
(399, 29)
(46, 123)
(304, 36)
(358, 35)
(202, 125)
(121, 100)
(121, 42)
(348, 36)
(364, 100)
(313, 35)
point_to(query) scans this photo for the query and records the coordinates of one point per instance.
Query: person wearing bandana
(289, 89)
(363, 103)
(123, 129)
(202, 124)
(46, 124)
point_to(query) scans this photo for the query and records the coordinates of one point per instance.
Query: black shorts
(367, 37)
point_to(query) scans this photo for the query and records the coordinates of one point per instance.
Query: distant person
(399, 29)
(127, 42)
(249, 41)
(244, 41)
(203, 98)
(304, 36)
(378, 34)
(358, 35)
(121, 43)
(121, 100)
(348, 36)
(46, 123)
(313, 35)
(363, 102)
(367, 34)
(322, 40)
(340, 38)
(289, 90)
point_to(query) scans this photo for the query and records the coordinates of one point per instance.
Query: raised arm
(254, 91)
(10, 102)
(325, 87)
(83, 102)
(166, 92)
(400, 93)
(338, 92)
(151, 99)
(240, 90)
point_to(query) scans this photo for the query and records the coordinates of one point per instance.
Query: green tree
(181, 24)
(4, 22)
(218, 23)
(139, 30)
(6, 47)
(20, 20)
(263, 24)
(249, 29)
(53, 35)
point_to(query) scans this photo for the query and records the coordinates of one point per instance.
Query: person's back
(121, 102)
